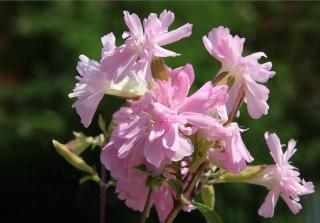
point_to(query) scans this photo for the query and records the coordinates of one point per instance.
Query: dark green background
(39, 48)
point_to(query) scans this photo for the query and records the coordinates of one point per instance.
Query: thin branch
(179, 203)
(147, 206)
(103, 194)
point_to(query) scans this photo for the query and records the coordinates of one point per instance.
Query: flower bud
(73, 158)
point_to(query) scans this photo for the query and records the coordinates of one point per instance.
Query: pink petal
(133, 22)
(130, 129)
(182, 79)
(198, 120)
(166, 18)
(275, 148)
(293, 205)
(170, 139)
(223, 46)
(154, 153)
(161, 52)
(207, 97)
(109, 44)
(290, 151)
(86, 108)
(117, 65)
(174, 35)
(157, 131)
(184, 149)
(256, 96)
(267, 208)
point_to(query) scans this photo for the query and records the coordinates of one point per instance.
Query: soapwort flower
(281, 179)
(242, 74)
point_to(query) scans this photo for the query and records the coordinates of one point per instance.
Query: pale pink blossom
(93, 84)
(230, 153)
(131, 182)
(160, 121)
(281, 179)
(142, 42)
(246, 71)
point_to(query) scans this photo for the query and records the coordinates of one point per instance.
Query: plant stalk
(103, 194)
(147, 206)
(180, 203)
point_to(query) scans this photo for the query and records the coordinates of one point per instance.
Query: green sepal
(154, 181)
(246, 175)
(142, 168)
(208, 195)
(176, 185)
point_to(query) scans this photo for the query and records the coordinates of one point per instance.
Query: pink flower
(231, 153)
(131, 182)
(246, 71)
(93, 84)
(281, 179)
(160, 121)
(142, 42)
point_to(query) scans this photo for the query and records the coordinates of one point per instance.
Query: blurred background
(39, 48)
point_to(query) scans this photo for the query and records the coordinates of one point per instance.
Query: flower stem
(180, 202)
(103, 194)
(146, 206)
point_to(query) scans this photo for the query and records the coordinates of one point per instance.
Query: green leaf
(176, 185)
(210, 215)
(208, 196)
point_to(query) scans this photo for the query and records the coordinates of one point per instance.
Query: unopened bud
(80, 143)
(159, 69)
(73, 158)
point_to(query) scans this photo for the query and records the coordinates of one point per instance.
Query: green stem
(146, 206)
(181, 202)
(103, 194)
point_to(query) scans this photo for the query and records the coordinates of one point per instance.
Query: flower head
(229, 151)
(142, 42)
(161, 121)
(244, 73)
(131, 182)
(93, 83)
(281, 179)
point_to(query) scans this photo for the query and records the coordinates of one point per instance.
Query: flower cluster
(166, 144)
